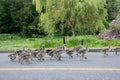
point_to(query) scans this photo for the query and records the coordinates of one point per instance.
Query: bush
(114, 31)
(115, 26)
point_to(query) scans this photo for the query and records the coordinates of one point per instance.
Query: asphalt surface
(95, 60)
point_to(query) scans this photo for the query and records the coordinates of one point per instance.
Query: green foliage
(73, 41)
(19, 16)
(113, 7)
(48, 42)
(5, 18)
(10, 37)
(17, 42)
(38, 6)
(75, 16)
(38, 18)
(118, 16)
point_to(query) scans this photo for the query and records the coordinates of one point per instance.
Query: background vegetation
(38, 18)
(37, 22)
(13, 41)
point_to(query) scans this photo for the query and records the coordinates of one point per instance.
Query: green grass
(13, 41)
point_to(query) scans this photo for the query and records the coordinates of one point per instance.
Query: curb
(6, 51)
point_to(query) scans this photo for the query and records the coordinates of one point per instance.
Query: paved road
(95, 60)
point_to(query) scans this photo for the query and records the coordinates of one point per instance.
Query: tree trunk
(73, 25)
(73, 30)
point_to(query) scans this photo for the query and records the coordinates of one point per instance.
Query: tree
(79, 15)
(19, 16)
(57, 17)
(112, 7)
(5, 17)
(38, 5)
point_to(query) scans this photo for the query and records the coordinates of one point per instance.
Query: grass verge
(13, 41)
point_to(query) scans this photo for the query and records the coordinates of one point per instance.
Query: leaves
(78, 15)
(56, 17)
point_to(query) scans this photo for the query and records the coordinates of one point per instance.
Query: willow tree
(38, 5)
(118, 5)
(118, 16)
(53, 14)
(81, 16)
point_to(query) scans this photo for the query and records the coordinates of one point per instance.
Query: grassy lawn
(13, 41)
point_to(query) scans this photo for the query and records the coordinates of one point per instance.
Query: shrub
(114, 31)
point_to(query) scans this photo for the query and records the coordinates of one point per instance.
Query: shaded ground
(95, 60)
